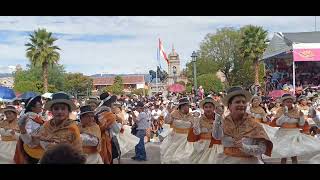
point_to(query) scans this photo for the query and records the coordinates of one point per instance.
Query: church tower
(173, 67)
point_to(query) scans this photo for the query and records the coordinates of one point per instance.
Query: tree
(222, 49)
(253, 44)
(31, 79)
(117, 86)
(139, 92)
(210, 82)
(42, 52)
(78, 84)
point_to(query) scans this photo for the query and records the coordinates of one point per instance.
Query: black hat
(140, 104)
(60, 97)
(106, 98)
(85, 109)
(31, 102)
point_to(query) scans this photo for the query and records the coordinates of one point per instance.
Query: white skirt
(165, 132)
(224, 159)
(202, 154)
(291, 142)
(94, 158)
(7, 150)
(271, 131)
(175, 149)
(127, 141)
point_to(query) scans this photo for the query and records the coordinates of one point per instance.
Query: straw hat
(256, 97)
(287, 96)
(60, 97)
(9, 108)
(183, 101)
(236, 91)
(209, 100)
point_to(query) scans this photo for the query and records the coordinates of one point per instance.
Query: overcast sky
(126, 44)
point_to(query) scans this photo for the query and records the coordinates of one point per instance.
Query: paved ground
(153, 155)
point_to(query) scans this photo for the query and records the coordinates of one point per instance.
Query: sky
(126, 45)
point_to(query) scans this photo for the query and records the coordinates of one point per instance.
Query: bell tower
(173, 67)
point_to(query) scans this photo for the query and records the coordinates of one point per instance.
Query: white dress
(89, 140)
(175, 149)
(127, 141)
(203, 154)
(290, 142)
(7, 148)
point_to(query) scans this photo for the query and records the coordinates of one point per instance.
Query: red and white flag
(163, 54)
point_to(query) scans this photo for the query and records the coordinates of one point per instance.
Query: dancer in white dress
(175, 149)
(206, 148)
(126, 140)
(9, 131)
(289, 141)
(260, 116)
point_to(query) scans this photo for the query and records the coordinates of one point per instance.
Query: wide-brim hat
(302, 98)
(183, 101)
(209, 100)
(9, 108)
(60, 97)
(86, 109)
(236, 91)
(92, 100)
(256, 97)
(31, 101)
(106, 97)
(287, 96)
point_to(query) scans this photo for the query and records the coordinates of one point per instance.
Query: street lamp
(194, 58)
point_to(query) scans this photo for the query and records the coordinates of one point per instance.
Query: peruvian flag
(163, 54)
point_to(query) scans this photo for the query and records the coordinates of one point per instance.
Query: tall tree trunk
(45, 77)
(256, 71)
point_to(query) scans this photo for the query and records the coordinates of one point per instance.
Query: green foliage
(32, 79)
(116, 88)
(42, 52)
(78, 84)
(139, 92)
(253, 44)
(210, 82)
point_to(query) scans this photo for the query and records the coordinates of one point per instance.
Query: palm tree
(253, 44)
(42, 52)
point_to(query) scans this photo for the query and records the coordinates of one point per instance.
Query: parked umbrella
(6, 93)
(47, 95)
(177, 88)
(28, 95)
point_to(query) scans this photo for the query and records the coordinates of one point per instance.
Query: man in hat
(243, 138)
(90, 135)
(143, 124)
(9, 131)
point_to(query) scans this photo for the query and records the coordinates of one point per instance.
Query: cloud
(127, 44)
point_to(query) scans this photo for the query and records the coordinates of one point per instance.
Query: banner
(306, 52)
